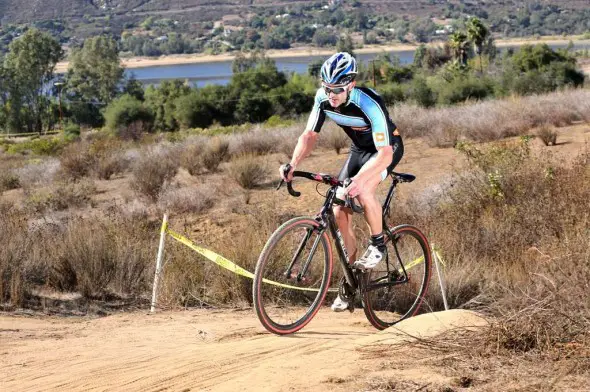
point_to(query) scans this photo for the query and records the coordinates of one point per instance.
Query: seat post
(389, 196)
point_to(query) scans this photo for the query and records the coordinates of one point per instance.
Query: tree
(28, 69)
(95, 75)
(345, 45)
(193, 110)
(458, 43)
(477, 33)
(162, 102)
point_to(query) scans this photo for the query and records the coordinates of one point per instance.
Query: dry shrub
(38, 173)
(248, 171)
(60, 196)
(216, 152)
(108, 158)
(287, 147)
(194, 200)
(334, 137)
(513, 231)
(76, 160)
(152, 170)
(101, 256)
(547, 134)
(9, 180)
(191, 280)
(14, 266)
(256, 142)
(191, 158)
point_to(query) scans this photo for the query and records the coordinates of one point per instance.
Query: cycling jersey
(363, 117)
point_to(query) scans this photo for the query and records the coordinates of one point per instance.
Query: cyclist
(375, 150)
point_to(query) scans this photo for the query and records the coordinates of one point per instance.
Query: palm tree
(477, 33)
(458, 43)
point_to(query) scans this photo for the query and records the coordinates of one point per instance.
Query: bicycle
(289, 289)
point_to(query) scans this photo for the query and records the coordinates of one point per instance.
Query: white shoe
(370, 259)
(339, 305)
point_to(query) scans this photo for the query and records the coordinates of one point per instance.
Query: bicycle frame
(327, 220)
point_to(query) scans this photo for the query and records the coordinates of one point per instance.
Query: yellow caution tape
(231, 266)
(227, 264)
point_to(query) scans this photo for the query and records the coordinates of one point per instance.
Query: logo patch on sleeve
(380, 137)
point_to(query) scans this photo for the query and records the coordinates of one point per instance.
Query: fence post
(440, 278)
(159, 262)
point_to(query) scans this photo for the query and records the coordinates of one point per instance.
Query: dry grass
(258, 141)
(194, 200)
(514, 233)
(491, 120)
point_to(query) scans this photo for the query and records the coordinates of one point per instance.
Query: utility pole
(374, 80)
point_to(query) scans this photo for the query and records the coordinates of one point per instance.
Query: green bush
(40, 146)
(419, 91)
(128, 116)
(71, 130)
(460, 90)
(193, 111)
(391, 93)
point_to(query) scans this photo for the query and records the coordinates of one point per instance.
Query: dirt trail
(200, 351)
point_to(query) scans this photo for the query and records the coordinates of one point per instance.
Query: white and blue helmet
(339, 69)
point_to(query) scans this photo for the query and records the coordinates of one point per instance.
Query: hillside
(222, 25)
(16, 11)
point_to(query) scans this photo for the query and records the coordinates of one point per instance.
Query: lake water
(201, 74)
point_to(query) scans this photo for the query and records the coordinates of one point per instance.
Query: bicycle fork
(302, 245)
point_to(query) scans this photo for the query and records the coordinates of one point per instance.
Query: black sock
(379, 242)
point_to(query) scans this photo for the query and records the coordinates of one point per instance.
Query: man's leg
(344, 221)
(374, 218)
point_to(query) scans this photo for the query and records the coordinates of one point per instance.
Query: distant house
(162, 38)
(227, 30)
(447, 29)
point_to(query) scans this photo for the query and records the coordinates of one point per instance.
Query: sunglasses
(335, 90)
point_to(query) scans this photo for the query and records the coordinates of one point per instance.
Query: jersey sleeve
(317, 115)
(378, 118)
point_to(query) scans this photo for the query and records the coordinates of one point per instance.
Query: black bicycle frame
(326, 216)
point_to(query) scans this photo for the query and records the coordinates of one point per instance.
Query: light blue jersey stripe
(376, 115)
(348, 121)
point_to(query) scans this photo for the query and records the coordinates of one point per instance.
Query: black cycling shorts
(357, 158)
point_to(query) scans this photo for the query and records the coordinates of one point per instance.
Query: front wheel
(292, 276)
(395, 288)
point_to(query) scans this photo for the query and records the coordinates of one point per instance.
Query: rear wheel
(395, 288)
(292, 276)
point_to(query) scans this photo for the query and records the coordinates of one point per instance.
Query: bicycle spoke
(396, 286)
(286, 302)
